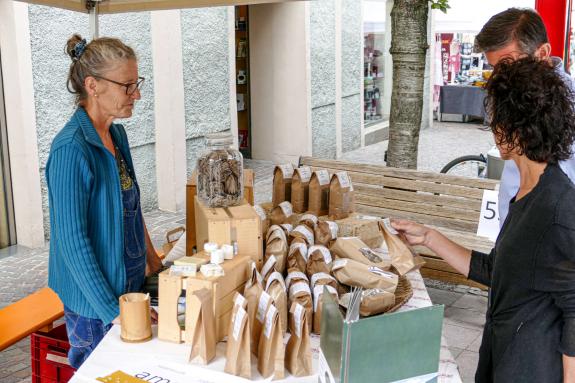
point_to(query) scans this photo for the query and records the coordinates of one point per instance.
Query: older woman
(99, 243)
(529, 333)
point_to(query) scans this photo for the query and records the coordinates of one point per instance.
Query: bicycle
(476, 166)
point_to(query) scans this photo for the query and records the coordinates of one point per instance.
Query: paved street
(23, 270)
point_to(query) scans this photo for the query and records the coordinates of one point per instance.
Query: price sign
(489, 218)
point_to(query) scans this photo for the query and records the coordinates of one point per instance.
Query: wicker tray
(403, 293)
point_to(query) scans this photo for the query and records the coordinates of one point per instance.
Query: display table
(159, 361)
(466, 100)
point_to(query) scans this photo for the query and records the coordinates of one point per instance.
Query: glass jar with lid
(220, 172)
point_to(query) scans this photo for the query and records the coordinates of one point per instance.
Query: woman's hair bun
(71, 45)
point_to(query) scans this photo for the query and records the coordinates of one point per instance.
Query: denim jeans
(84, 334)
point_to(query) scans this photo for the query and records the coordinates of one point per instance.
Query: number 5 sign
(489, 218)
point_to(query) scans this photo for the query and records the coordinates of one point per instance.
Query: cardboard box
(236, 274)
(235, 224)
(408, 342)
(191, 193)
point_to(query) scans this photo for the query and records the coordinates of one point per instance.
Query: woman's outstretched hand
(415, 233)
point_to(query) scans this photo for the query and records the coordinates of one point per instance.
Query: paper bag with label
(281, 213)
(318, 260)
(264, 219)
(365, 229)
(238, 354)
(276, 246)
(341, 199)
(318, 292)
(297, 256)
(299, 292)
(309, 220)
(263, 304)
(271, 349)
(252, 293)
(276, 288)
(354, 248)
(295, 276)
(300, 189)
(302, 232)
(403, 258)
(319, 192)
(201, 326)
(298, 350)
(353, 273)
(282, 184)
(325, 233)
(373, 301)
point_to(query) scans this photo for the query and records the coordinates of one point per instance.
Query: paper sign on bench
(489, 218)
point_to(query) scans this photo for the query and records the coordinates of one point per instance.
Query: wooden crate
(237, 272)
(448, 203)
(191, 192)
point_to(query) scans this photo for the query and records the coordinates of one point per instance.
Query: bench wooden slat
(431, 210)
(399, 173)
(29, 314)
(411, 196)
(421, 218)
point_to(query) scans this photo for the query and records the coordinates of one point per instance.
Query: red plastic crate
(49, 351)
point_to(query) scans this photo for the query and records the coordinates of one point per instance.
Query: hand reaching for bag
(415, 233)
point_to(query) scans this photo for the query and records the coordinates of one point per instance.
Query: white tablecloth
(168, 362)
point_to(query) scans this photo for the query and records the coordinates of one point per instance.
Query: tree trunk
(408, 48)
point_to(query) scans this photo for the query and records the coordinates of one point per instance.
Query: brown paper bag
(135, 317)
(375, 301)
(297, 256)
(276, 246)
(252, 294)
(238, 354)
(309, 220)
(276, 288)
(300, 292)
(287, 228)
(403, 258)
(353, 273)
(317, 306)
(263, 304)
(294, 276)
(269, 267)
(281, 213)
(354, 248)
(323, 279)
(282, 184)
(264, 219)
(325, 233)
(271, 349)
(303, 232)
(341, 199)
(319, 192)
(300, 189)
(298, 350)
(365, 229)
(200, 326)
(318, 260)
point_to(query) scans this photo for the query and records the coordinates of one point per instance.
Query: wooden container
(135, 317)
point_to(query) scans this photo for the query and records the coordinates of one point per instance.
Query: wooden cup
(135, 317)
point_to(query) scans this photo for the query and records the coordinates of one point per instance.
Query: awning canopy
(118, 6)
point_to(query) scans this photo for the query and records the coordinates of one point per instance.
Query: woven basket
(403, 293)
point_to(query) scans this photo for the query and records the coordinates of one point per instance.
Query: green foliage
(440, 4)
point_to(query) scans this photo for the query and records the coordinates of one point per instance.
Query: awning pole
(92, 6)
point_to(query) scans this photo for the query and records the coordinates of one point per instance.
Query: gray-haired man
(515, 33)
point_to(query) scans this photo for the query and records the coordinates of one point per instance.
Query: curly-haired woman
(99, 246)
(529, 334)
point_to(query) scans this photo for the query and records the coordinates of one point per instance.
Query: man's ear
(543, 52)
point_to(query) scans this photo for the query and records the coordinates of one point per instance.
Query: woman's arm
(568, 369)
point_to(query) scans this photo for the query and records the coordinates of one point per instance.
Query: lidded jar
(220, 172)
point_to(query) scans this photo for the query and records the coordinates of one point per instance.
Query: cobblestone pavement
(24, 270)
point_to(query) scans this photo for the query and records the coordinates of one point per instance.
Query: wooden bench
(35, 312)
(449, 203)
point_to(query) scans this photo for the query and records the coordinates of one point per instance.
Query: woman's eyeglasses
(131, 87)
